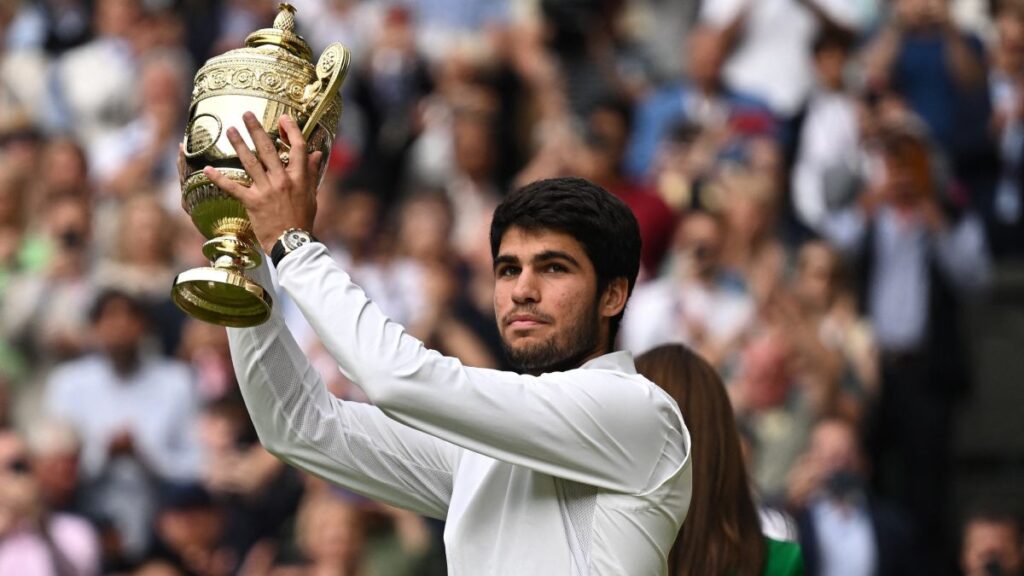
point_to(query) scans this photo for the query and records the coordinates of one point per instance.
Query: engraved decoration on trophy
(272, 75)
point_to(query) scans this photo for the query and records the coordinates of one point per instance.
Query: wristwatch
(291, 240)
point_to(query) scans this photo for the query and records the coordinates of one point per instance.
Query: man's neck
(125, 362)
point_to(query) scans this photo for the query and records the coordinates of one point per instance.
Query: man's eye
(508, 271)
(555, 268)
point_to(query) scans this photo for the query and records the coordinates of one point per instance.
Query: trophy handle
(331, 69)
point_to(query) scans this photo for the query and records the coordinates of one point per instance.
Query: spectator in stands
(941, 72)
(991, 544)
(828, 152)
(256, 492)
(190, 533)
(143, 154)
(66, 174)
(1005, 210)
(764, 386)
(135, 413)
(600, 160)
(748, 194)
(330, 534)
(917, 256)
(93, 86)
(702, 100)
(697, 302)
(142, 262)
(33, 539)
(387, 85)
(823, 304)
(44, 310)
(459, 317)
(768, 43)
(843, 527)
(592, 53)
(54, 451)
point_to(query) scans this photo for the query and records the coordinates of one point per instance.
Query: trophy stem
(233, 246)
(222, 294)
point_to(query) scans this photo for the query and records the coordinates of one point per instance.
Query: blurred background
(829, 194)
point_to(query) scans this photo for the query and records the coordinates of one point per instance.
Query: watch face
(295, 238)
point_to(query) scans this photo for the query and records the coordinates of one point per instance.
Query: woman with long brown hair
(722, 532)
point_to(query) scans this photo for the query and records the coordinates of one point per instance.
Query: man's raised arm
(348, 443)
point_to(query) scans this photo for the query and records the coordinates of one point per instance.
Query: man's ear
(613, 300)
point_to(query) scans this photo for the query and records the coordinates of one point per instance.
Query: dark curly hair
(602, 223)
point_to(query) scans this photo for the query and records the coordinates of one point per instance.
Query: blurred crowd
(821, 186)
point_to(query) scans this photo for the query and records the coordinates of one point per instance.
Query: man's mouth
(522, 321)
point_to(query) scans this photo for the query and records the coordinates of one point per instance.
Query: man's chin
(528, 357)
(542, 358)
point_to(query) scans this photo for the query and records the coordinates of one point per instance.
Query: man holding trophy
(578, 465)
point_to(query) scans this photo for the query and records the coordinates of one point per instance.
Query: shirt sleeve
(720, 12)
(596, 426)
(962, 253)
(845, 230)
(352, 444)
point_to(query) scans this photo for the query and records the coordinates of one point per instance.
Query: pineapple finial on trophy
(285, 19)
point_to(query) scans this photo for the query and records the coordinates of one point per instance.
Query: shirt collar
(621, 361)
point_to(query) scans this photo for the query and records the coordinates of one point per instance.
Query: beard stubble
(552, 356)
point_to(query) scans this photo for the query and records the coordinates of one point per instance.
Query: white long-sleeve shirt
(584, 472)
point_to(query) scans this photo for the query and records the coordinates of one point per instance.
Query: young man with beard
(577, 466)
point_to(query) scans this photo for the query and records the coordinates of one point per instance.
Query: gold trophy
(272, 75)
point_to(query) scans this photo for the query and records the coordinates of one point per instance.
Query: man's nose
(525, 289)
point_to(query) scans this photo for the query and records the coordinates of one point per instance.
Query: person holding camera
(992, 544)
(698, 303)
(920, 253)
(843, 528)
(43, 312)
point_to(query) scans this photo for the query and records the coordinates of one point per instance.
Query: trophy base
(221, 296)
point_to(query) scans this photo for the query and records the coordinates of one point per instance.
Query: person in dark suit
(919, 253)
(843, 527)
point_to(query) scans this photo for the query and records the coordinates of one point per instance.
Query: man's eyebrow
(556, 255)
(506, 259)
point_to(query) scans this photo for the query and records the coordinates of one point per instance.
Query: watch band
(280, 249)
(277, 252)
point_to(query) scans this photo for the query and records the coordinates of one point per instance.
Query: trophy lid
(282, 34)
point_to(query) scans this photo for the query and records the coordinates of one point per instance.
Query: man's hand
(805, 478)
(280, 197)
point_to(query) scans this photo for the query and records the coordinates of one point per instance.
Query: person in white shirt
(771, 43)
(577, 466)
(135, 412)
(698, 302)
(829, 154)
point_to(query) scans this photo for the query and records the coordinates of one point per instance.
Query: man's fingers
(229, 186)
(292, 134)
(313, 166)
(249, 161)
(265, 148)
